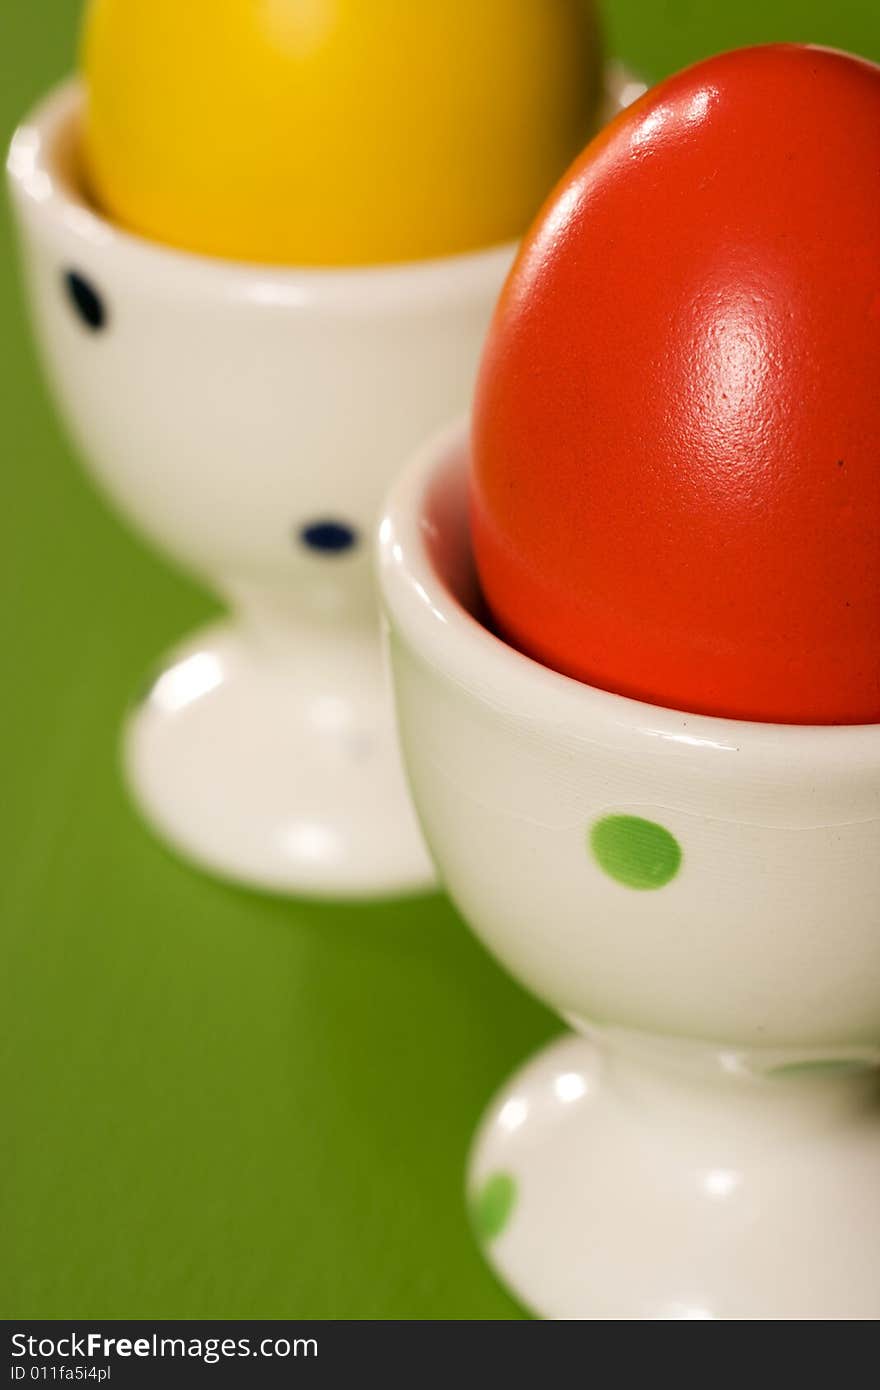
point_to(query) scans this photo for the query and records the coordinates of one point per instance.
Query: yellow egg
(334, 132)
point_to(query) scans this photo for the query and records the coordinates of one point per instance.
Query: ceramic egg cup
(248, 420)
(700, 899)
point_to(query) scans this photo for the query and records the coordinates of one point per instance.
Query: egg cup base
(276, 769)
(604, 1188)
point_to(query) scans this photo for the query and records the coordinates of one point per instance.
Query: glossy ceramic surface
(697, 894)
(611, 1182)
(677, 428)
(333, 820)
(247, 421)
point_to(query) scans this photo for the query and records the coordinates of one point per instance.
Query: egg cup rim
(43, 181)
(436, 625)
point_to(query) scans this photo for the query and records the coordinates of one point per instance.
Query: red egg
(676, 464)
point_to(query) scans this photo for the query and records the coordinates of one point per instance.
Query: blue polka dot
(86, 301)
(333, 537)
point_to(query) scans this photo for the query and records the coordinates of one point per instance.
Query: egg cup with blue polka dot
(247, 420)
(699, 899)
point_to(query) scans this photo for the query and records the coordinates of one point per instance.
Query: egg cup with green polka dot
(247, 419)
(699, 899)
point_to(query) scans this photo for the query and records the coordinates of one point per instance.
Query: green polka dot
(492, 1206)
(639, 853)
(821, 1066)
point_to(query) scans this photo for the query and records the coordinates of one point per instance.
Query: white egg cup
(248, 420)
(700, 899)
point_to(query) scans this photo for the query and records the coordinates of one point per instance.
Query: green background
(217, 1104)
